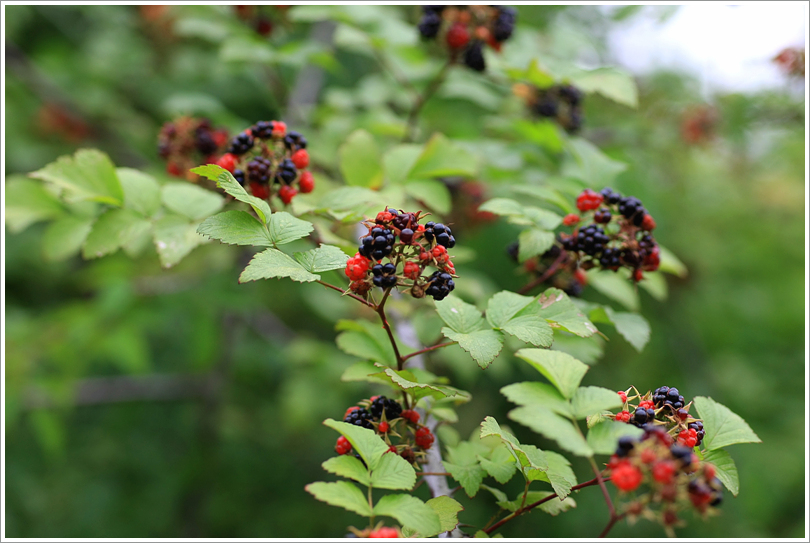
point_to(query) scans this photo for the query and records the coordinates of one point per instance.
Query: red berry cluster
(562, 103)
(409, 248)
(465, 29)
(378, 531)
(266, 155)
(620, 234)
(386, 417)
(186, 142)
(671, 474)
(699, 124)
(260, 18)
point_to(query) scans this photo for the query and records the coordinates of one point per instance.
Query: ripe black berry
(406, 235)
(442, 234)
(430, 24)
(286, 172)
(626, 444)
(631, 208)
(263, 129)
(504, 23)
(239, 175)
(204, 142)
(360, 417)
(403, 220)
(440, 284)
(392, 408)
(474, 56)
(642, 416)
(668, 396)
(610, 258)
(684, 454)
(546, 107)
(241, 144)
(602, 216)
(294, 140)
(610, 196)
(571, 94)
(591, 240)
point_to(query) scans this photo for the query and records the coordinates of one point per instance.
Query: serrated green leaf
(140, 237)
(113, 229)
(88, 175)
(551, 425)
(365, 442)
(27, 202)
(284, 228)
(557, 308)
(559, 474)
(503, 313)
(723, 427)
(632, 326)
(563, 370)
(537, 394)
(504, 305)
(725, 469)
(419, 390)
(411, 512)
(483, 345)
(591, 400)
(399, 160)
(615, 286)
(236, 228)
(530, 329)
(603, 437)
(459, 315)
(141, 191)
(430, 193)
(442, 158)
(447, 509)
(190, 200)
(231, 186)
(348, 466)
(272, 263)
(612, 83)
(501, 464)
(64, 237)
(341, 494)
(530, 460)
(174, 238)
(468, 476)
(533, 242)
(394, 473)
(324, 258)
(360, 161)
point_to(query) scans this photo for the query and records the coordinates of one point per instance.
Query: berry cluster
(465, 30)
(671, 474)
(562, 103)
(791, 61)
(619, 236)
(188, 141)
(265, 156)
(386, 417)
(407, 245)
(564, 274)
(664, 407)
(260, 18)
(699, 124)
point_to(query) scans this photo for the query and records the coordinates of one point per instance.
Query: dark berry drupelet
(404, 220)
(610, 196)
(440, 284)
(287, 172)
(392, 408)
(697, 426)
(591, 240)
(474, 56)
(668, 396)
(610, 258)
(258, 170)
(241, 144)
(632, 209)
(360, 417)
(378, 244)
(384, 275)
(571, 94)
(504, 23)
(626, 444)
(430, 24)
(263, 129)
(204, 142)
(546, 107)
(642, 416)
(442, 234)
(239, 175)
(294, 141)
(602, 216)
(681, 453)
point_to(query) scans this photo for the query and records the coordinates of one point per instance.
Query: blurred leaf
(442, 158)
(64, 237)
(113, 229)
(27, 202)
(431, 193)
(411, 512)
(88, 175)
(603, 437)
(725, 468)
(272, 263)
(656, 285)
(447, 509)
(522, 215)
(360, 160)
(614, 286)
(398, 161)
(190, 200)
(612, 83)
(141, 191)
(363, 370)
(553, 507)
(539, 394)
(348, 466)
(236, 228)
(590, 400)
(723, 427)
(632, 326)
(365, 340)
(533, 242)
(542, 132)
(341, 494)
(174, 238)
(592, 166)
(404, 380)
(557, 308)
(563, 370)
(671, 264)
(241, 49)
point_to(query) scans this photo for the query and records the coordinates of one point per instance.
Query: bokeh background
(142, 402)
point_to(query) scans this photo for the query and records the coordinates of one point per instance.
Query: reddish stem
(546, 274)
(428, 349)
(347, 293)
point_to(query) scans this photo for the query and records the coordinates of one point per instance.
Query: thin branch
(428, 349)
(387, 327)
(605, 492)
(347, 293)
(432, 87)
(613, 520)
(437, 473)
(546, 274)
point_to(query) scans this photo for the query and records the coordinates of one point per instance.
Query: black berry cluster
(410, 248)
(360, 417)
(186, 142)
(391, 407)
(668, 396)
(562, 103)
(466, 29)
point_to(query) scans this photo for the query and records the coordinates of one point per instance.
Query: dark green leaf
(563, 370)
(723, 427)
(341, 494)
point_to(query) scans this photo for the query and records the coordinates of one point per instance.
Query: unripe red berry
(300, 158)
(389, 533)
(343, 446)
(306, 182)
(173, 169)
(638, 276)
(648, 456)
(623, 396)
(228, 161)
(664, 471)
(279, 129)
(350, 410)
(647, 404)
(580, 276)
(589, 200)
(383, 427)
(648, 223)
(287, 193)
(458, 36)
(410, 415)
(260, 191)
(626, 476)
(571, 219)
(411, 270)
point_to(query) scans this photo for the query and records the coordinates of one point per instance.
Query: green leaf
(272, 263)
(504, 305)
(399, 160)
(443, 158)
(632, 326)
(591, 400)
(190, 200)
(615, 286)
(394, 473)
(431, 193)
(174, 238)
(723, 427)
(499, 495)
(113, 229)
(348, 466)
(360, 161)
(365, 340)
(501, 314)
(553, 507)
(349, 198)
(603, 437)
(503, 207)
(656, 285)
(64, 237)
(522, 215)
(459, 315)
(324, 258)
(411, 512)
(284, 228)
(531, 460)
(551, 425)
(141, 191)
(419, 390)
(88, 175)
(363, 370)
(447, 509)
(537, 394)
(591, 164)
(501, 464)
(468, 476)
(533, 242)
(236, 228)
(231, 186)
(483, 345)
(725, 468)
(542, 132)
(342, 494)
(559, 474)
(612, 83)
(365, 442)
(557, 308)
(671, 264)
(530, 329)
(27, 202)
(563, 370)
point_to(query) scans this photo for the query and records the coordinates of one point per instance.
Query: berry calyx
(287, 193)
(589, 200)
(306, 182)
(571, 219)
(626, 476)
(300, 158)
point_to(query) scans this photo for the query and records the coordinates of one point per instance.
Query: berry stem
(613, 520)
(346, 293)
(546, 274)
(387, 327)
(605, 492)
(428, 349)
(432, 87)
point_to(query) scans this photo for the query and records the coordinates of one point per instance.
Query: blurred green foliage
(234, 463)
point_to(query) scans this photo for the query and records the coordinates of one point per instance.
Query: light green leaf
(365, 340)
(447, 509)
(591, 400)
(632, 326)
(272, 263)
(557, 308)
(468, 476)
(530, 329)
(411, 512)
(431, 193)
(231, 186)
(533, 242)
(285, 228)
(723, 427)
(443, 158)
(522, 215)
(612, 83)
(548, 424)
(190, 200)
(27, 202)
(559, 474)
(615, 286)
(419, 390)
(459, 315)
(504, 305)
(88, 175)
(324, 258)
(537, 394)
(341, 494)
(360, 161)
(236, 228)
(64, 237)
(174, 238)
(501, 314)
(394, 473)
(501, 464)
(531, 460)
(483, 345)
(399, 160)
(671, 264)
(363, 370)
(365, 442)
(113, 229)
(563, 370)
(725, 468)
(348, 466)
(349, 198)
(603, 437)
(141, 191)
(503, 207)
(591, 164)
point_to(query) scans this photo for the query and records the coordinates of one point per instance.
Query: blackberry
(610, 196)
(360, 417)
(204, 142)
(403, 220)
(681, 453)
(574, 289)
(504, 23)
(512, 250)
(241, 144)
(259, 170)
(626, 444)
(610, 258)
(591, 240)
(239, 175)
(658, 432)
(642, 416)
(263, 129)
(552, 254)
(571, 94)
(697, 426)
(430, 24)
(668, 396)
(378, 244)
(546, 107)
(440, 284)
(647, 242)
(474, 57)
(392, 408)
(602, 216)
(294, 141)
(286, 172)
(631, 207)
(406, 235)
(384, 275)
(442, 234)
